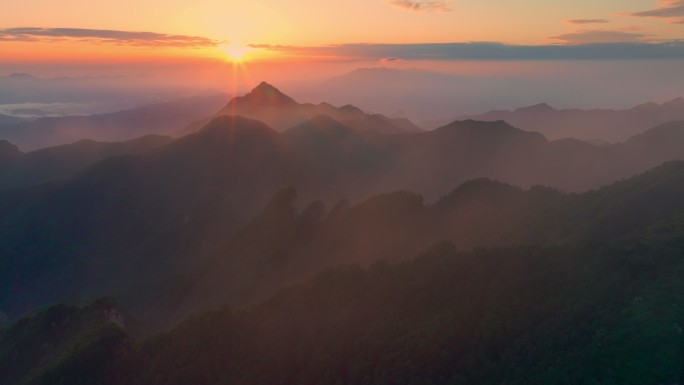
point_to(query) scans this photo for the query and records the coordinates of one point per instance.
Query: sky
(95, 31)
(209, 42)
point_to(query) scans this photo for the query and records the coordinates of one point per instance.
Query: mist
(428, 92)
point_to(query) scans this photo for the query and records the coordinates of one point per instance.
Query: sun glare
(236, 52)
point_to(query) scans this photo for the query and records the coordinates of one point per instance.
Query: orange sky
(315, 23)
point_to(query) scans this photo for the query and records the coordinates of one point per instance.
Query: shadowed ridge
(350, 109)
(661, 134)
(235, 123)
(482, 188)
(319, 122)
(8, 152)
(659, 144)
(321, 126)
(51, 163)
(675, 103)
(228, 128)
(229, 137)
(332, 146)
(46, 342)
(403, 123)
(497, 128)
(537, 108)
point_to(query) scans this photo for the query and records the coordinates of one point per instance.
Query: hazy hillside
(142, 216)
(163, 118)
(597, 308)
(149, 216)
(18, 169)
(598, 125)
(88, 343)
(284, 245)
(297, 192)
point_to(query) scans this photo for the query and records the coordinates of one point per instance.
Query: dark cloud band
(669, 9)
(422, 6)
(491, 51)
(148, 39)
(586, 21)
(593, 36)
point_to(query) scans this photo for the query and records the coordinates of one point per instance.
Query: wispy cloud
(593, 36)
(672, 10)
(422, 6)
(106, 36)
(622, 47)
(586, 21)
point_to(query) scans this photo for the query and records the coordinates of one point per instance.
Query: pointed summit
(265, 87)
(267, 104)
(263, 95)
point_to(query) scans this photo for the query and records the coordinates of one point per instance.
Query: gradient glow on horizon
(317, 23)
(230, 45)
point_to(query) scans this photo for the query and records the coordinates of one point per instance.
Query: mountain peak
(265, 87)
(263, 95)
(267, 93)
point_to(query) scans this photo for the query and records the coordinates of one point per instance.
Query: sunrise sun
(236, 52)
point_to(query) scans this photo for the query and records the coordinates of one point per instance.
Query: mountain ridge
(268, 104)
(609, 125)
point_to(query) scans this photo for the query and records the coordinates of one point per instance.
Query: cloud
(668, 9)
(390, 61)
(422, 6)
(624, 48)
(586, 21)
(593, 36)
(99, 36)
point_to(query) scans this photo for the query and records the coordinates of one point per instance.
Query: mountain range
(609, 126)
(162, 118)
(267, 104)
(19, 169)
(165, 207)
(271, 241)
(596, 300)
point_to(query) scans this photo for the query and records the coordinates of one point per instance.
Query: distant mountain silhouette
(18, 169)
(163, 118)
(268, 104)
(604, 125)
